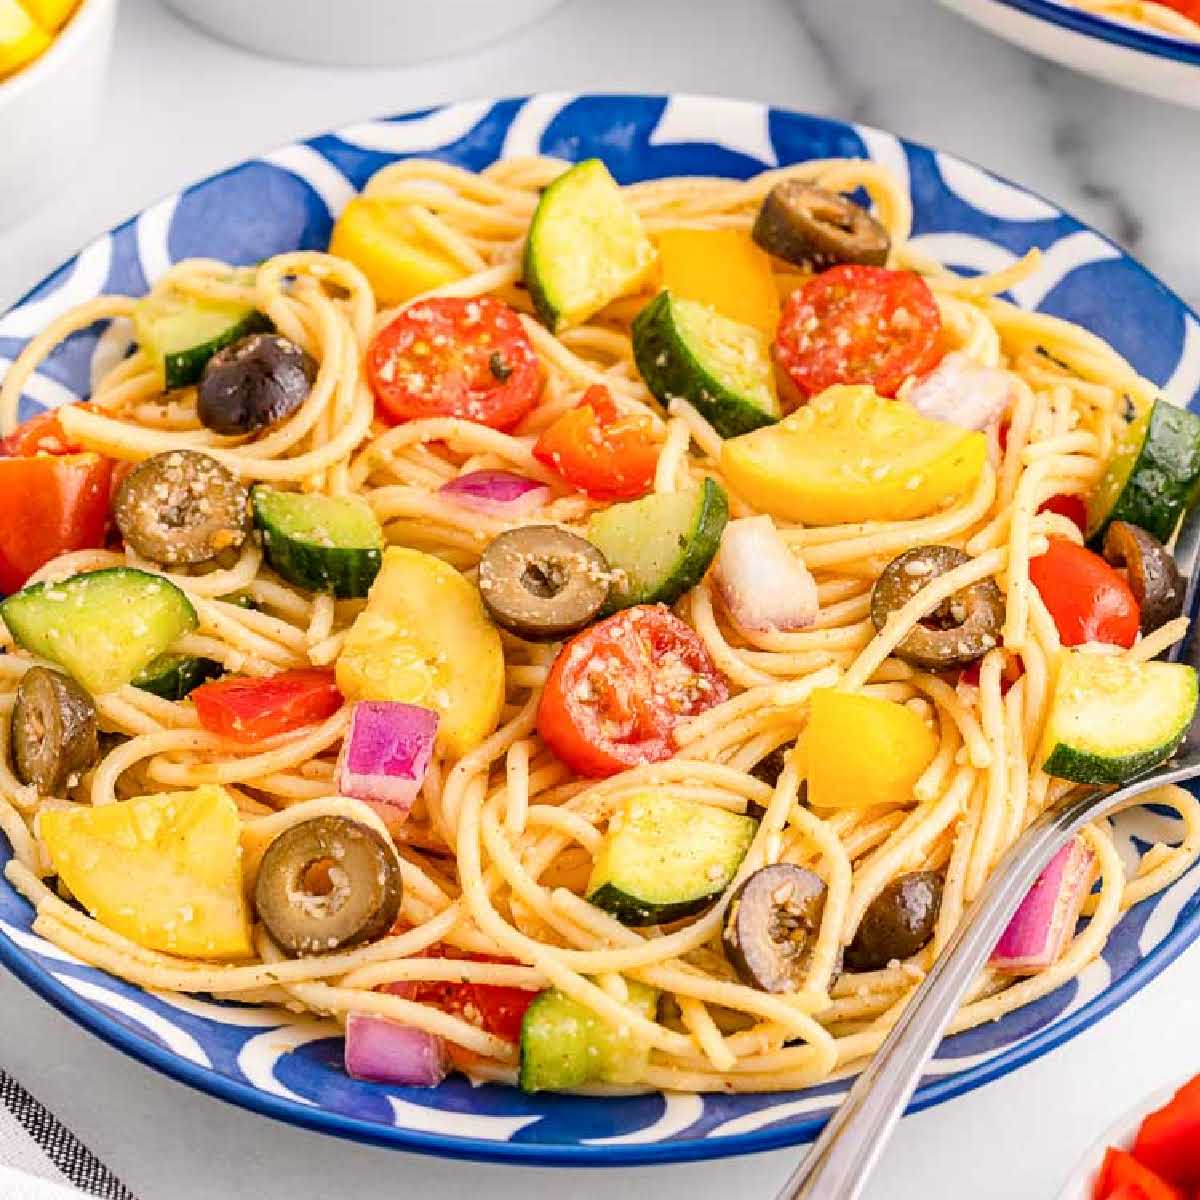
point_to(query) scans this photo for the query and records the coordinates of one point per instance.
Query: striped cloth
(41, 1159)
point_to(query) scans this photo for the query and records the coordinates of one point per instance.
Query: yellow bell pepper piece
(164, 870)
(722, 268)
(381, 238)
(425, 638)
(22, 39)
(862, 750)
(850, 455)
(51, 15)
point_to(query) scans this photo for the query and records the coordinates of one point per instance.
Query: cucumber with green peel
(180, 333)
(320, 543)
(1153, 475)
(586, 246)
(102, 627)
(1112, 718)
(660, 546)
(565, 1045)
(173, 676)
(664, 858)
(721, 367)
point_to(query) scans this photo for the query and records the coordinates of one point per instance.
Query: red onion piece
(386, 753)
(498, 493)
(962, 392)
(1042, 926)
(766, 588)
(383, 1051)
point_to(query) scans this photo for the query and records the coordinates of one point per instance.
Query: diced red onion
(962, 392)
(766, 588)
(386, 753)
(384, 1051)
(1045, 922)
(498, 493)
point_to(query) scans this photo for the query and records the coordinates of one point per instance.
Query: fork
(841, 1160)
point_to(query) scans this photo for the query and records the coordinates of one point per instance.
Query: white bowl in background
(363, 32)
(48, 112)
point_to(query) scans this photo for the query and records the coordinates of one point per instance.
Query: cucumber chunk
(660, 546)
(102, 627)
(586, 246)
(321, 543)
(181, 333)
(173, 676)
(1153, 475)
(565, 1045)
(663, 858)
(1112, 718)
(722, 367)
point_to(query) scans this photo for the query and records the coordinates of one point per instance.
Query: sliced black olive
(182, 506)
(767, 770)
(960, 630)
(772, 921)
(897, 923)
(1154, 578)
(815, 228)
(54, 732)
(542, 583)
(326, 884)
(253, 383)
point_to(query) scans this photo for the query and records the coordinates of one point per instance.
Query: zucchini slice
(1112, 718)
(181, 333)
(663, 858)
(565, 1045)
(321, 543)
(1152, 476)
(722, 367)
(660, 546)
(102, 627)
(586, 246)
(173, 676)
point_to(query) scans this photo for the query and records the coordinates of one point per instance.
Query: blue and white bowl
(286, 199)
(1115, 51)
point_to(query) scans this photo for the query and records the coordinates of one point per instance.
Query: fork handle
(842, 1158)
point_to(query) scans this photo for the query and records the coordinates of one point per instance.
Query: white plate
(1116, 51)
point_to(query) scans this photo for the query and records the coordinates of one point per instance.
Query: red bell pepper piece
(1169, 1140)
(1122, 1177)
(248, 709)
(1088, 599)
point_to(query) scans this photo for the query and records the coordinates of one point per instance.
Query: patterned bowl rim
(787, 1132)
(1118, 33)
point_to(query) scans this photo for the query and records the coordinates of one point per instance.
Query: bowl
(360, 32)
(49, 110)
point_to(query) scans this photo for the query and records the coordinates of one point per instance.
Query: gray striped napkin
(41, 1159)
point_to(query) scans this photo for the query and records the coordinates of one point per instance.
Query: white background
(181, 105)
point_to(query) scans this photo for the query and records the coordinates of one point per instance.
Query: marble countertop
(181, 105)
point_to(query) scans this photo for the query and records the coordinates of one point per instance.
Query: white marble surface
(182, 105)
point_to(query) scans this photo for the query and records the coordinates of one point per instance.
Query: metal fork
(840, 1162)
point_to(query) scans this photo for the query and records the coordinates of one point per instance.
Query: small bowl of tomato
(1151, 1153)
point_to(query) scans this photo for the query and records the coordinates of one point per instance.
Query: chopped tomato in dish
(1122, 1175)
(450, 357)
(607, 454)
(247, 709)
(1074, 508)
(1088, 599)
(1169, 1140)
(858, 325)
(1189, 8)
(42, 434)
(617, 690)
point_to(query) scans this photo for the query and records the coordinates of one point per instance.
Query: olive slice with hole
(1153, 576)
(542, 583)
(897, 923)
(54, 732)
(326, 884)
(182, 507)
(255, 382)
(816, 228)
(772, 921)
(960, 630)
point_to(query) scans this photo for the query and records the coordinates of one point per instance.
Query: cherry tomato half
(617, 690)
(247, 708)
(605, 453)
(1088, 599)
(449, 357)
(854, 324)
(42, 434)
(1074, 508)
(1189, 8)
